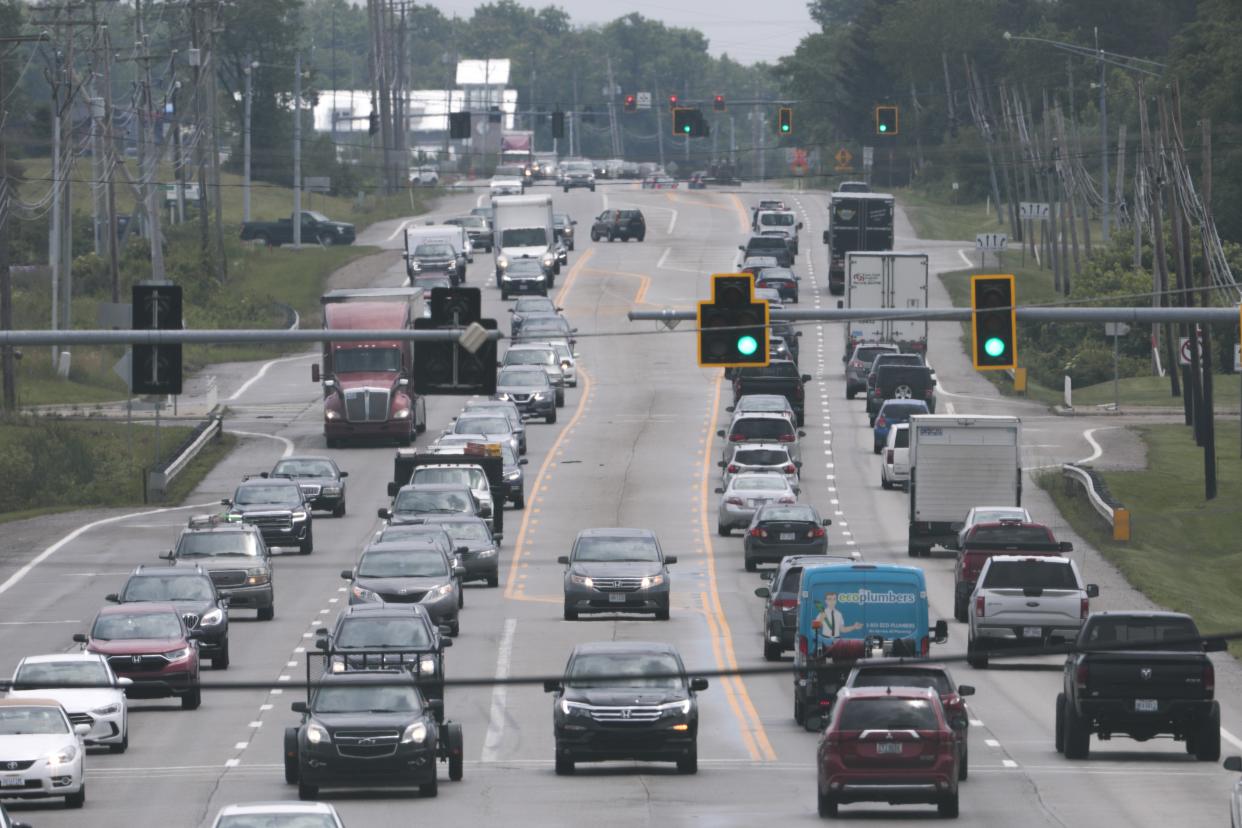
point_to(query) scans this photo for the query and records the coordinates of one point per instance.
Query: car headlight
(513, 475)
(427, 665)
(651, 581)
(234, 517)
(329, 414)
(502, 262)
(549, 259)
(212, 617)
(503, 396)
(438, 592)
(298, 517)
(178, 654)
(399, 414)
(107, 710)
(317, 734)
(363, 594)
(583, 580)
(676, 708)
(257, 575)
(416, 733)
(63, 756)
(486, 553)
(540, 395)
(333, 491)
(574, 708)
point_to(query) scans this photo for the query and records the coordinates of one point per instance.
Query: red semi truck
(367, 385)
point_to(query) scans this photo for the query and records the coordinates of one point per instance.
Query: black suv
(626, 700)
(234, 556)
(278, 508)
(321, 482)
(619, 224)
(434, 257)
(775, 246)
(194, 595)
(901, 382)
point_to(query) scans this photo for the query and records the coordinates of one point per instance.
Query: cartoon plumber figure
(830, 622)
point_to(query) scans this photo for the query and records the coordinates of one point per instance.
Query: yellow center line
(573, 275)
(644, 282)
(742, 216)
(730, 694)
(752, 725)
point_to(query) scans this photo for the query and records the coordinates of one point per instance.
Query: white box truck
(957, 462)
(882, 279)
(522, 229)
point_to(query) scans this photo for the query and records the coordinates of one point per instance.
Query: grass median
(1184, 553)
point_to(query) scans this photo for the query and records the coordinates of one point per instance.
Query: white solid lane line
(285, 440)
(965, 258)
(496, 717)
(262, 372)
(1096, 449)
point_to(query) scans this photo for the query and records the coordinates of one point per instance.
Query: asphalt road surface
(634, 446)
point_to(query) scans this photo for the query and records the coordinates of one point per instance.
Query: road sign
(844, 159)
(1032, 210)
(991, 241)
(121, 369)
(191, 192)
(317, 184)
(1116, 329)
(644, 100)
(117, 315)
(868, 157)
(1183, 349)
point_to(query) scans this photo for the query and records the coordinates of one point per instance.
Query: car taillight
(1084, 607)
(890, 459)
(1080, 675)
(732, 468)
(1209, 678)
(880, 422)
(926, 645)
(817, 532)
(734, 501)
(785, 438)
(802, 644)
(785, 603)
(798, 392)
(856, 363)
(979, 606)
(790, 469)
(787, 500)
(736, 438)
(948, 745)
(758, 532)
(928, 394)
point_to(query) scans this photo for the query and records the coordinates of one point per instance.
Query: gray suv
(616, 570)
(529, 388)
(858, 365)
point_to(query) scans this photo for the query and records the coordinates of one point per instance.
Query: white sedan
(102, 707)
(745, 494)
(991, 514)
(42, 750)
(278, 815)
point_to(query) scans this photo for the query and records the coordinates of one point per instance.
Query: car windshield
(760, 484)
(443, 502)
(404, 563)
(868, 355)
(365, 360)
(433, 251)
(467, 531)
(597, 548)
(276, 820)
(526, 267)
(1009, 536)
(531, 357)
(463, 475)
(403, 531)
(168, 588)
(994, 515)
(282, 495)
(382, 632)
(481, 425)
(522, 379)
(801, 513)
(217, 544)
(539, 305)
(1030, 575)
(1107, 631)
(639, 670)
(888, 714)
(887, 677)
(768, 429)
(304, 468)
(115, 627)
(524, 237)
(34, 675)
(41, 720)
(761, 457)
(392, 699)
(777, 219)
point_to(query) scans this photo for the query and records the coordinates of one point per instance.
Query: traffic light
(672, 101)
(155, 369)
(558, 124)
(718, 104)
(459, 125)
(373, 123)
(690, 123)
(631, 103)
(448, 367)
(784, 120)
(733, 326)
(993, 322)
(887, 121)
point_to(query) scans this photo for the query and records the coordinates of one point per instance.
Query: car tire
(307, 793)
(827, 805)
(799, 711)
(456, 752)
(292, 772)
(493, 581)
(959, 603)
(1058, 725)
(193, 699)
(327, 240)
(594, 236)
(689, 764)
(976, 655)
(308, 546)
(121, 746)
(267, 613)
(947, 806)
(76, 800)
(221, 662)
(640, 237)
(724, 531)
(963, 767)
(662, 613)
(592, 188)
(429, 790)
(551, 417)
(570, 614)
(884, 484)
(461, 596)
(339, 510)
(262, 239)
(876, 448)
(332, 442)
(750, 565)
(560, 400)
(1077, 736)
(455, 627)
(850, 391)
(566, 189)
(564, 766)
(504, 295)
(611, 237)
(771, 651)
(1207, 740)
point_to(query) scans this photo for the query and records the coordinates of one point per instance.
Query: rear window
(761, 429)
(761, 457)
(904, 678)
(1010, 536)
(766, 243)
(792, 580)
(896, 359)
(776, 368)
(901, 438)
(1030, 575)
(1105, 631)
(869, 354)
(760, 483)
(888, 714)
(630, 214)
(799, 513)
(901, 413)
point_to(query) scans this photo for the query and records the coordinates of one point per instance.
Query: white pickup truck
(1026, 601)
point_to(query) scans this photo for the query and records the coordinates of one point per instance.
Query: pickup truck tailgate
(1148, 675)
(1051, 608)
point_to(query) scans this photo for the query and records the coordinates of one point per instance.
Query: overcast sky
(747, 30)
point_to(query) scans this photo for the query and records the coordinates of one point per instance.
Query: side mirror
(741, 247)
(321, 631)
(298, 707)
(321, 643)
(807, 378)
(445, 629)
(826, 522)
(799, 225)
(384, 514)
(551, 686)
(698, 684)
(462, 550)
(315, 372)
(825, 237)
(446, 642)
(1215, 645)
(1233, 763)
(81, 729)
(965, 690)
(265, 475)
(393, 488)
(720, 433)
(523, 462)
(563, 559)
(730, 409)
(498, 536)
(124, 681)
(719, 490)
(801, 433)
(670, 559)
(80, 638)
(347, 574)
(224, 501)
(166, 556)
(1065, 546)
(459, 571)
(436, 706)
(763, 592)
(112, 597)
(941, 631)
(720, 464)
(1093, 591)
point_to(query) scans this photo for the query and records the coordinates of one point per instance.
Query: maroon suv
(888, 744)
(149, 644)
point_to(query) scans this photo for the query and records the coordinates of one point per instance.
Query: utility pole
(251, 65)
(196, 64)
(58, 179)
(612, 109)
(297, 151)
(1105, 208)
(656, 105)
(151, 159)
(178, 155)
(109, 163)
(221, 261)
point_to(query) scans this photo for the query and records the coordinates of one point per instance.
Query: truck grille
(17, 766)
(625, 715)
(310, 489)
(137, 664)
(626, 584)
(279, 522)
(228, 577)
(81, 718)
(410, 597)
(366, 744)
(191, 620)
(520, 398)
(366, 405)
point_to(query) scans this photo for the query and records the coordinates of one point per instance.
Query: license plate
(1032, 632)
(889, 747)
(616, 597)
(787, 536)
(12, 782)
(1146, 705)
(752, 503)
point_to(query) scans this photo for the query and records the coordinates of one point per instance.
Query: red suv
(149, 644)
(1007, 537)
(888, 744)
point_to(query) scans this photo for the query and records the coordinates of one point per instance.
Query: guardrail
(159, 478)
(1118, 516)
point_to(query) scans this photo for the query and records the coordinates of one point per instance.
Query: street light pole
(1106, 208)
(251, 65)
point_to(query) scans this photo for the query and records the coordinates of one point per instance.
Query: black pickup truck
(316, 229)
(1140, 674)
(779, 377)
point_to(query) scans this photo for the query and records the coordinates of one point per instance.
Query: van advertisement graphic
(889, 613)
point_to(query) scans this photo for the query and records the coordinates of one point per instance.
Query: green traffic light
(784, 127)
(883, 127)
(994, 346)
(747, 345)
(686, 129)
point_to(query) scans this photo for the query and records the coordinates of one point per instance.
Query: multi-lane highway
(634, 446)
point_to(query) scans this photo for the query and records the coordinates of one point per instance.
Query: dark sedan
(524, 276)
(781, 280)
(477, 549)
(778, 530)
(529, 307)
